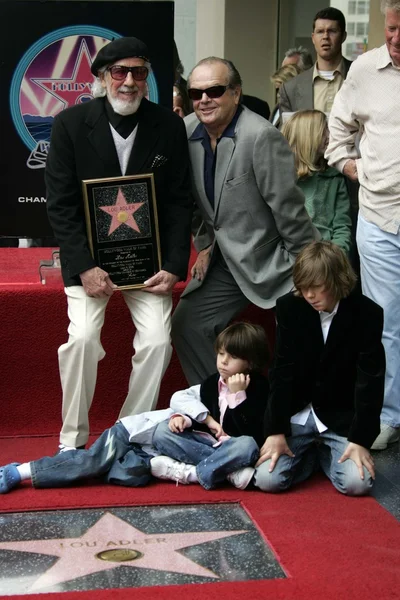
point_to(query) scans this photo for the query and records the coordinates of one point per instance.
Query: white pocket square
(158, 161)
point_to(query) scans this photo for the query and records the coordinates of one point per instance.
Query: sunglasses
(119, 72)
(216, 91)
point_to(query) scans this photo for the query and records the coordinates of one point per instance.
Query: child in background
(235, 399)
(123, 454)
(324, 188)
(327, 378)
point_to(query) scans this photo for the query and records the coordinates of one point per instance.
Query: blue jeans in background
(195, 448)
(380, 279)
(112, 456)
(310, 448)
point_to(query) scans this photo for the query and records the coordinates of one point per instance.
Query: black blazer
(82, 147)
(343, 378)
(245, 419)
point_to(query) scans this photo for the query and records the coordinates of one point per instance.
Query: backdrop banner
(45, 68)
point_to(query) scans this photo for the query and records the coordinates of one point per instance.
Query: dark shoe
(9, 477)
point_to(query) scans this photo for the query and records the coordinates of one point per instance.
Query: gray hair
(305, 59)
(234, 78)
(390, 5)
(98, 91)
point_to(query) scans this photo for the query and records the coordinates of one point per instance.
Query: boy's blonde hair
(305, 132)
(246, 341)
(324, 263)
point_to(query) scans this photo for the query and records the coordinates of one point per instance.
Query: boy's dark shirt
(342, 378)
(246, 418)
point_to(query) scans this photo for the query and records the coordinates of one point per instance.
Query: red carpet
(331, 547)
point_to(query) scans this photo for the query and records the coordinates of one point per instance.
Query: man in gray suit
(251, 220)
(317, 87)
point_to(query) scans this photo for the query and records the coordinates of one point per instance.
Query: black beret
(125, 47)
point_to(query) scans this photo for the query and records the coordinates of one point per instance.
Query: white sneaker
(241, 478)
(388, 435)
(164, 467)
(62, 448)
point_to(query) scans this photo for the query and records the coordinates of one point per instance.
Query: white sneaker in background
(164, 467)
(241, 478)
(388, 435)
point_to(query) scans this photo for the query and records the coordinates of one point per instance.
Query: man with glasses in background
(251, 220)
(117, 133)
(317, 87)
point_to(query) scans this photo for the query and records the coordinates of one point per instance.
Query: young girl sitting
(327, 200)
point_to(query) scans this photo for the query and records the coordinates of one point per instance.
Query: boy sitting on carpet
(123, 454)
(327, 378)
(236, 398)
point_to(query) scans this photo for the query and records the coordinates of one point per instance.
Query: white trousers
(79, 357)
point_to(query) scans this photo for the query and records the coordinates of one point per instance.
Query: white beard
(123, 107)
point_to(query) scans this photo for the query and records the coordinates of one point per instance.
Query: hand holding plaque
(161, 283)
(97, 283)
(122, 226)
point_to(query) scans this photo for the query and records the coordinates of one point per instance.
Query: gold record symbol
(119, 555)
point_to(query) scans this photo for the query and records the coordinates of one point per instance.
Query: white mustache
(127, 88)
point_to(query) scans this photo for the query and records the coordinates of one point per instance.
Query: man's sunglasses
(119, 72)
(216, 91)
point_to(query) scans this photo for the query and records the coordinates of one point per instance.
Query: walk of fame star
(122, 212)
(91, 552)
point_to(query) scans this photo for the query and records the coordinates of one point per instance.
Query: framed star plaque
(122, 227)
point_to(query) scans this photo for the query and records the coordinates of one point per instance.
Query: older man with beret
(117, 133)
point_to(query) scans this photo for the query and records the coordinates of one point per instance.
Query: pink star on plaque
(122, 212)
(113, 542)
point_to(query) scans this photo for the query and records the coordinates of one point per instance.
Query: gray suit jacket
(259, 220)
(298, 94)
